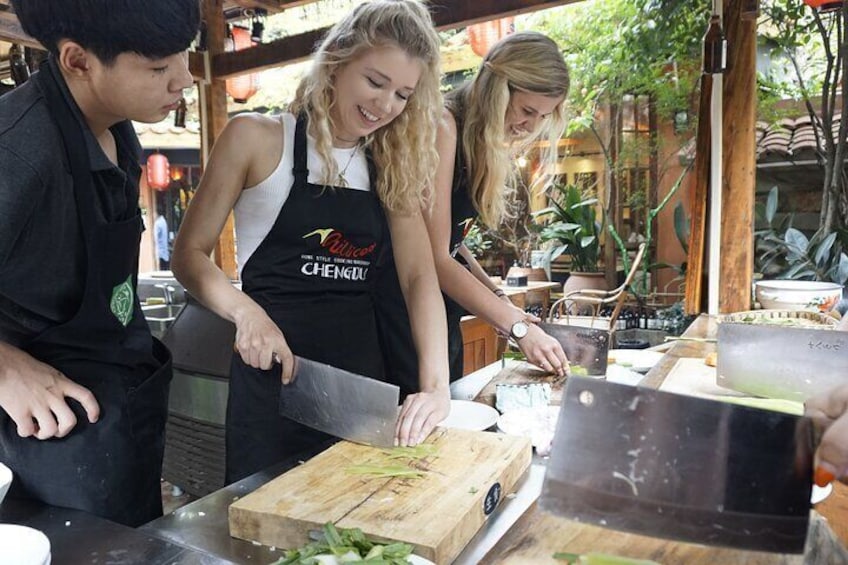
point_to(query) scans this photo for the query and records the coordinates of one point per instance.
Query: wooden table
(536, 292)
(537, 535)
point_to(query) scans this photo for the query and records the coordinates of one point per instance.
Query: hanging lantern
(242, 87)
(158, 172)
(483, 35)
(824, 5)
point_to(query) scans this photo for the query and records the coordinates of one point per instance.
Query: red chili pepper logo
(336, 244)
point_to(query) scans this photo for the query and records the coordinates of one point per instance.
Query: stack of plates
(21, 545)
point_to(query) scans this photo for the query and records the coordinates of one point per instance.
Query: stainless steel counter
(79, 538)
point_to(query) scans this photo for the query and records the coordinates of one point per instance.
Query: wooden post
(739, 160)
(698, 204)
(213, 109)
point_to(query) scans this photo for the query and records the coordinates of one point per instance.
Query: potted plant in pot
(573, 229)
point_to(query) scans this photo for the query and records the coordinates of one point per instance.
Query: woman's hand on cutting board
(829, 411)
(420, 414)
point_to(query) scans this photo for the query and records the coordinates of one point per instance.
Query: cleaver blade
(793, 363)
(341, 403)
(680, 467)
(584, 347)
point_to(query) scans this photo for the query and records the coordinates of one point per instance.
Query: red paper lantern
(824, 5)
(242, 87)
(158, 172)
(483, 35)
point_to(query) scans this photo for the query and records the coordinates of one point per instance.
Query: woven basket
(823, 321)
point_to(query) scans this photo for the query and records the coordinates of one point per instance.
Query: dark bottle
(180, 114)
(715, 47)
(17, 65)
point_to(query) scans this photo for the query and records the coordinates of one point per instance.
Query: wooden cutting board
(537, 536)
(465, 478)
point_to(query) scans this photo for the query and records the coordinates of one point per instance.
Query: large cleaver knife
(781, 362)
(680, 467)
(341, 403)
(585, 347)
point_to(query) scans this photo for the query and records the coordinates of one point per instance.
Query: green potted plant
(573, 229)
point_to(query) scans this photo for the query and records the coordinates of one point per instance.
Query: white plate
(470, 415)
(820, 493)
(5, 481)
(23, 546)
(415, 560)
(537, 423)
(639, 360)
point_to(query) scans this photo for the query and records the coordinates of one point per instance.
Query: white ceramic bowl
(797, 295)
(470, 415)
(5, 481)
(23, 546)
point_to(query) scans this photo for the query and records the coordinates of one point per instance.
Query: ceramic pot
(797, 295)
(582, 281)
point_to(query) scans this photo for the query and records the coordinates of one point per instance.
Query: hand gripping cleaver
(585, 347)
(341, 403)
(680, 467)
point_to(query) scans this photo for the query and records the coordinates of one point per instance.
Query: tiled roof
(164, 135)
(789, 139)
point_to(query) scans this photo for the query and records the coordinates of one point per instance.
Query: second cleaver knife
(585, 347)
(680, 467)
(341, 403)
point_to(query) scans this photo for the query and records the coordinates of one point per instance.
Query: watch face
(519, 330)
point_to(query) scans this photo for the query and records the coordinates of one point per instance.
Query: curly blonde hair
(404, 150)
(525, 61)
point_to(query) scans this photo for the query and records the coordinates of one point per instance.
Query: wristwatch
(519, 329)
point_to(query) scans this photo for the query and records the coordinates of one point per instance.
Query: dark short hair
(151, 28)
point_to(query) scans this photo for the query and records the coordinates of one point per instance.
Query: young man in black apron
(83, 385)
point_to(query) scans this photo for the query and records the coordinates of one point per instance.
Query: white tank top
(258, 206)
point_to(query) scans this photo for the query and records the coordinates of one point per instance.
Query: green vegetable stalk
(345, 546)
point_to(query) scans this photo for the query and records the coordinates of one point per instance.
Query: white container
(797, 295)
(20, 545)
(5, 481)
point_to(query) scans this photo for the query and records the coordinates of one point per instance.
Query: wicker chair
(567, 310)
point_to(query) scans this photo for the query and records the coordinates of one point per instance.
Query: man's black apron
(312, 274)
(111, 468)
(396, 340)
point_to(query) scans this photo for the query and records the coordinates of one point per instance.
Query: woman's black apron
(111, 468)
(398, 346)
(312, 274)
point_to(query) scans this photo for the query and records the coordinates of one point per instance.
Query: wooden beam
(698, 205)
(11, 31)
(739, 160)
(273, 6)
(447, 14)
(286, 50)
(213, 109)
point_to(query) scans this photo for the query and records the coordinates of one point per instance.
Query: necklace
(341, 180)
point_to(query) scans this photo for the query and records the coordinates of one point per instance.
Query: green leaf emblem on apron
(122, 301)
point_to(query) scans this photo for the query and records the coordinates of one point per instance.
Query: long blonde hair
(525, 61)
(404, 150)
